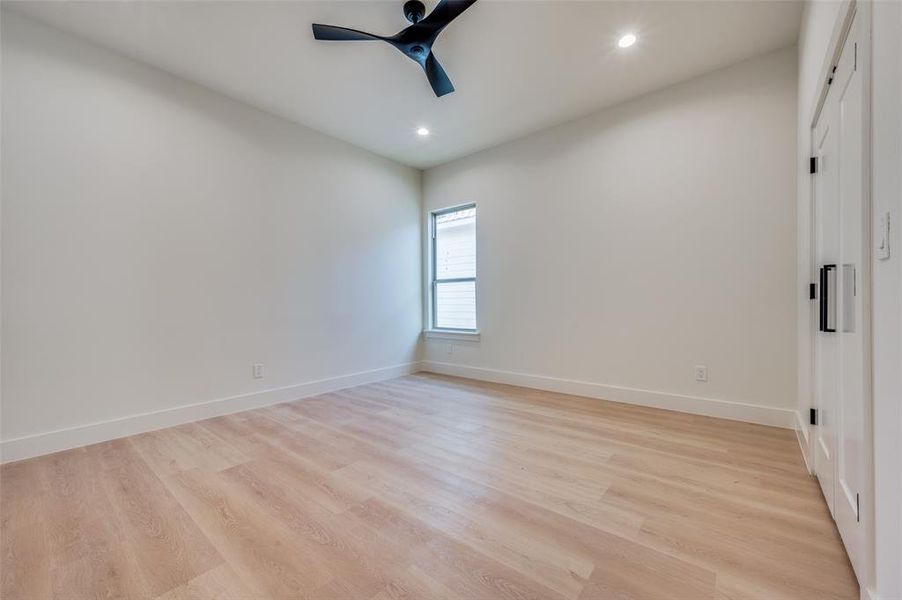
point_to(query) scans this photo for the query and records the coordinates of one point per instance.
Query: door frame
(842, 28)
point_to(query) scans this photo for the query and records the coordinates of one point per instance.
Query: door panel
(827, 216)
(850, 459)
(842, 252)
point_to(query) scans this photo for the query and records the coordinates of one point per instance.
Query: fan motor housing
(414, 10)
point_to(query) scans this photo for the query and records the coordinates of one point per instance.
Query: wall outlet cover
(701, 373)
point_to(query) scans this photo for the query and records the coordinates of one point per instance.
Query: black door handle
(827, 324)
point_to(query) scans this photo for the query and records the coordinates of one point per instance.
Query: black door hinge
(812, 416)
(830, 79)
(812, 291)
(812, 165)
(857, 509)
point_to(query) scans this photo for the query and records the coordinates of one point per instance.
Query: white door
(826, 215)
(842, 251)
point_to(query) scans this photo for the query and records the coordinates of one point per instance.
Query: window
(454, 268)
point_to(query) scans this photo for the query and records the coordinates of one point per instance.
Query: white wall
(625, 248)
(887, 297)
(159, 238)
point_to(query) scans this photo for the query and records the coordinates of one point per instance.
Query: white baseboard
(802, 436)
(709, 407)
(83, 435)
(868, 594)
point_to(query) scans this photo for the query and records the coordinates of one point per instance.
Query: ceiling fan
(415, 41)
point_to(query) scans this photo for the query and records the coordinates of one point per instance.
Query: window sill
(447, 334)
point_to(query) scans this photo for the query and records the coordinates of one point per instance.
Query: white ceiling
(518, 66)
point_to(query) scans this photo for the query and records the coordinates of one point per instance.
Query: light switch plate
(882, 237)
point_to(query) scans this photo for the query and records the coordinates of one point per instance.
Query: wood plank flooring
(426, 487)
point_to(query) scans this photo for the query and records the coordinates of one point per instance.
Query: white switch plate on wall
(882, 237)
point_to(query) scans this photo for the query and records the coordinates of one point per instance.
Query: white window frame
(447, 332)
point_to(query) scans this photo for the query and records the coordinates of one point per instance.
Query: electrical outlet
(701, 373)
(449, 349)
(258, 371)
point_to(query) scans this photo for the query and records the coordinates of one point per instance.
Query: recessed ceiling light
(422, 131)
(627, 40)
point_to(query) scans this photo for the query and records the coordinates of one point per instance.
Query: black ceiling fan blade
(341, 34)
(441, 85)
(415, 41)
(445, 12)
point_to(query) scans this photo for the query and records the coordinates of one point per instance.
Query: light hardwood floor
(426, 487)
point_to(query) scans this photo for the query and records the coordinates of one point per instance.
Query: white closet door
(843, 339)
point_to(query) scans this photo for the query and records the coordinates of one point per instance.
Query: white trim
(54, 441)
(834, 49)
(866, 593)
(802, 436)
(444, 334)
(724, 409)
